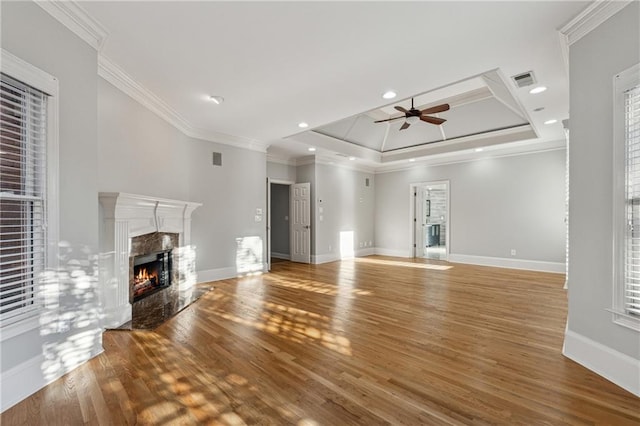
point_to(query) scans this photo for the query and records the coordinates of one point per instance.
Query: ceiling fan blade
(405, 125)
(432, 120)
(388, 119)
(433, 110)
(399, 108)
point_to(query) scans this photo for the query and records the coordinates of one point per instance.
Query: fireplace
(151, 273)
(133, 227)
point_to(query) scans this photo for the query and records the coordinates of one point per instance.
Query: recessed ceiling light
(478, 149)
(552, 121)
(216, 99)
(412, 160)
(312, 149)
(303, 125)
(389, 94)
(538, 109)
(352, 158)
(538, 89)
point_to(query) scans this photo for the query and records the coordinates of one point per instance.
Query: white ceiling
(280, 63)
(478, 106)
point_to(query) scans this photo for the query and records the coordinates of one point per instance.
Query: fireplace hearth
(151, 273)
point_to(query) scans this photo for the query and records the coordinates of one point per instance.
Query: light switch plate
(259, 211)
(258, 218)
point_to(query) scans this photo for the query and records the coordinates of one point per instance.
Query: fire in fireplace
(151, 273)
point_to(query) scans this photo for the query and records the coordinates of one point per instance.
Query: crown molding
(116, 76)
(287, 161)
(509, 150)
(223, 138)
(77, 20)
(590, 18)
(120, 79)
(585, 22)
(329, 161)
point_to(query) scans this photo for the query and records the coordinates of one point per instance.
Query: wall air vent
(524, 79)
(217, 159)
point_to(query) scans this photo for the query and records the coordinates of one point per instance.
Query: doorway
(288, 221)
(430, 220)
(278, 229)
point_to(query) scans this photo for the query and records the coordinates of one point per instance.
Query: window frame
(622, 82)
(26, 73)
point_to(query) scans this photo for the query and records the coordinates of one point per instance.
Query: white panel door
(300, 195)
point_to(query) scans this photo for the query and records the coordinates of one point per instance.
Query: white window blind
(23, 127)
(632, 187)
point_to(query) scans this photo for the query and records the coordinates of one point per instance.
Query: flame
(143, 275)
(144, 280)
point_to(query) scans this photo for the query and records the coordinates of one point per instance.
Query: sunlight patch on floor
(289, 323)
(403, 263)
(317, 287)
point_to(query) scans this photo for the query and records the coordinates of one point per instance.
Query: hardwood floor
(376, 340)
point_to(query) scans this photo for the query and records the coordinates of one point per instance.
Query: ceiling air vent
(524, 79)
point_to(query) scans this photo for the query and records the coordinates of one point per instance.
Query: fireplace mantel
(125, 216)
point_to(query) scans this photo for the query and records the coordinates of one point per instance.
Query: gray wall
(230, 195)
(348, 205)
(139, 153)
(594, 60)
(280, 219)
(31, 34)
(281, 171)
(142, 154)
(497, 204)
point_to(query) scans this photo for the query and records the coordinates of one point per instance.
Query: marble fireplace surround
(125, 216)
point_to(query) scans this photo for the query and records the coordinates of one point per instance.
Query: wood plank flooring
(375, 340)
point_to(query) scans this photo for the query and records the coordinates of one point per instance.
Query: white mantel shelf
(147, 214)
(126, 216)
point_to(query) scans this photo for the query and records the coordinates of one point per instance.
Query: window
(27, 150)
(627, 206)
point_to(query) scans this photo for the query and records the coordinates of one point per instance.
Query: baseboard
(392, 252)
(324, 258)
(228, 272)
(280, 255)
(614, 366)
(27, 378)
(333, 257)
(216, 274)
(501, 262)
(365, 252)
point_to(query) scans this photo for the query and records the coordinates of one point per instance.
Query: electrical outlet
(513, 252)
(259, 211)
(360, 244)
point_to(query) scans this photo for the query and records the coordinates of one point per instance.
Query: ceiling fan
(412, 115)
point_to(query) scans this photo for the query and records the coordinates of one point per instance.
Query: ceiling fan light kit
(413, 115)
